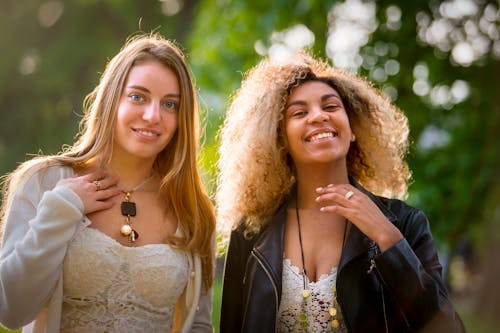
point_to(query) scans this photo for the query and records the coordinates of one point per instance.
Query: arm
(232, 292)
(411, 272)
(409, 265)
(203, 317)
(38, 226)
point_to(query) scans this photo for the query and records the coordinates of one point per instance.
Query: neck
(309, 178)
(130, 173)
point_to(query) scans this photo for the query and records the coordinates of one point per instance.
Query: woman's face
(316, 125)
(147, 116)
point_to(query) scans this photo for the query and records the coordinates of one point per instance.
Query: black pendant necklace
(336, 321)
(129, 210)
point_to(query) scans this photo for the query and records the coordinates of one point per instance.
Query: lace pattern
(109, 287)
(319, 302)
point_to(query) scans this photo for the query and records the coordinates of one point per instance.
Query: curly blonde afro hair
(255, 174)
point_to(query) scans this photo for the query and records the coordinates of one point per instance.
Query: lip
(146, 133)
(323, 133)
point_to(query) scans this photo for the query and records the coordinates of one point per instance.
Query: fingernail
(319, 189)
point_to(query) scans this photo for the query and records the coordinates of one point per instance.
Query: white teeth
(146, 133)
(321, 136)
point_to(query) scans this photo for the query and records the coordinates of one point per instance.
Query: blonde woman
(311, 163)
(115, 234)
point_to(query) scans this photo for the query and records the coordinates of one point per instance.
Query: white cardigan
(39, 224)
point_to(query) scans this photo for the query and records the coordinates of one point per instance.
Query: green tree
(451, 101)
(52, 54)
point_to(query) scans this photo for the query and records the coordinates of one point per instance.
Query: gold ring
(349, 194)
(97, 185)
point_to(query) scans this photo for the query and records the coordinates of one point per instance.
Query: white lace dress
(109, 287)
(318, 305)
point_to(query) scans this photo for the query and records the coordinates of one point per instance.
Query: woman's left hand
(359, 209)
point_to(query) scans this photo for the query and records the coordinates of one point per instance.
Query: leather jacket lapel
(270, 246)
(357, 242)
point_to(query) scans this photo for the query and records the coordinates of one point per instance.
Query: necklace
(335, 315)
(128, 210)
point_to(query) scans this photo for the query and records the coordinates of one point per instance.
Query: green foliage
(52, 58)
(452, 182)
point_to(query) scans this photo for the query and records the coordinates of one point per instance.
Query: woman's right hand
(96, 189)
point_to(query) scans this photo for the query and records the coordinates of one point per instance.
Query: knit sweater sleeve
(39, 223)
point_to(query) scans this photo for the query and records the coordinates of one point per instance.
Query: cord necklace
(335, 316)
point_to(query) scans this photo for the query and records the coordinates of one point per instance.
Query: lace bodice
(319, 302)
(109, 287)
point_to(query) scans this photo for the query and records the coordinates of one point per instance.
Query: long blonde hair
(255, 174)
(177, 164)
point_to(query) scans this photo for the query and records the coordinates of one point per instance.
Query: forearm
(416, 287)
(34, 245)
(203, 317)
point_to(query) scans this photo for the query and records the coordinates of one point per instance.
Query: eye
(171, 105)
(300, 113)
(331, 107)
(136, 97)
(297, 113)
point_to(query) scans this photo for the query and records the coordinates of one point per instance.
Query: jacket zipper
(257, 255)
(369, 271)
(373, 265)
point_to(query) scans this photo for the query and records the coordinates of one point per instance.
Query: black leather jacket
(399, 290)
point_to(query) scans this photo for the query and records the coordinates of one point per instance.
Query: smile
(146, 133)
(322, 135)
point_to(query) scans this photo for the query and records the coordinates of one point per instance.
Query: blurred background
(439, 61)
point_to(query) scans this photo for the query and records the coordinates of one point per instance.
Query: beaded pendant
(303, 320)
(128, 210)
(333, 310)
(335, 316)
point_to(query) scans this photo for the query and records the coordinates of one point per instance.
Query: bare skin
(146, 122)
(319, 135)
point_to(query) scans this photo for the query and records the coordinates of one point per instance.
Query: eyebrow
(146, 90)
(323, 98)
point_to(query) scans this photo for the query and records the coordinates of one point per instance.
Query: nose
(152, 113)
(317, 114)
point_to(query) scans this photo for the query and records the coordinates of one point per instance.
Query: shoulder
(410, 220)
(241, 241)
(399, 207)
(396, 210)
(44, 177)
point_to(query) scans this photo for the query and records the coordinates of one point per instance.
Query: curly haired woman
(311, 166)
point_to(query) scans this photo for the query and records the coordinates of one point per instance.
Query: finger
(107, 182)
(348, 195)
(325, 189)
(100, 205)
(329, 197)
(107, 193)
(336, 193)
(339, 210)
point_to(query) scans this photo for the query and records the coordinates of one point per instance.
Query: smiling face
(316, 125)
(147, 116)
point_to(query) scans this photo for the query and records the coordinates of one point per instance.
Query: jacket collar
(270, 244)
(357, 242)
